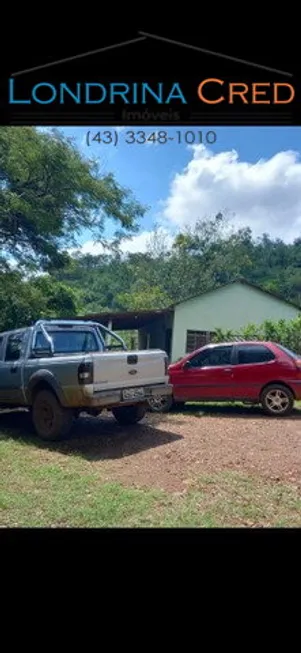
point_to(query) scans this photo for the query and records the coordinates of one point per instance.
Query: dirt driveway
(169, 451)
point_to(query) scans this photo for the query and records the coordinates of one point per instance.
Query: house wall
(232, 307)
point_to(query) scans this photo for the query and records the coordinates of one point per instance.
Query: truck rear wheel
(129, 414)
(51, 421)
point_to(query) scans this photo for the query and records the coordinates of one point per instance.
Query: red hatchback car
(263, 373)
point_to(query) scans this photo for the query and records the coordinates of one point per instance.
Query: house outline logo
(144, 36)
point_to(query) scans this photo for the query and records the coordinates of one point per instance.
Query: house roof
(243, 281)
(127, 320)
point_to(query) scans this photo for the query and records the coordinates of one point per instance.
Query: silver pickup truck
(59, 369)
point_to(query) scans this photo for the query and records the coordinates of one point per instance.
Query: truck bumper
(108, 398)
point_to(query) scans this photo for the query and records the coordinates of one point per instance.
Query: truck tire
(51, 421)
(277, 400)
(129, 414)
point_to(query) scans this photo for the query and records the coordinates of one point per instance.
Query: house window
(197, 339)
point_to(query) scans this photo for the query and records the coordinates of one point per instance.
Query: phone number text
(161, 137)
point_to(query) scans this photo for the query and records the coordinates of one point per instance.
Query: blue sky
(252, 173)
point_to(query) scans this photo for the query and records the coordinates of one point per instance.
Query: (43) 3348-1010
(142, 137)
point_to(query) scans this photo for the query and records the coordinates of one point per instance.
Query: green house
(189, 324)
(230, 307)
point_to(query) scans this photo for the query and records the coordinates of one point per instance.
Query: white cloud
(265, 195)
(138, 243)
(43, 130)
(142, 241)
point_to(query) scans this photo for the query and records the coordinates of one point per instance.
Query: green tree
(49, 193)
(19, 302)
(144, 298)
(24, 302)
(59, 300)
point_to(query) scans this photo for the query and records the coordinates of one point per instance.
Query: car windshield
(290, 353)
(69, 341)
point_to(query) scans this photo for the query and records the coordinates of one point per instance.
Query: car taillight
(85, 373)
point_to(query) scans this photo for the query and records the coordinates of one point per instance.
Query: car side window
(215, 357)
(14, 347)
(254, 354)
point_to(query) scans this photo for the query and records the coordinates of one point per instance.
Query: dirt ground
(170, 451)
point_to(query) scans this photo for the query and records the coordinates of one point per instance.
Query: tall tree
(49, 193)
(24, 302)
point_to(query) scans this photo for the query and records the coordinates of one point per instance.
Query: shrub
(285, 332)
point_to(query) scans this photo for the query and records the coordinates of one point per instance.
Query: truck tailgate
(124, 369)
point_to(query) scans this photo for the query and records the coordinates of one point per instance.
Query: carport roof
(127, 320)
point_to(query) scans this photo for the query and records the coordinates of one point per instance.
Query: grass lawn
(41, 487)
(226, 403)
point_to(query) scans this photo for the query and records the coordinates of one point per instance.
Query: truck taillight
(85, 373)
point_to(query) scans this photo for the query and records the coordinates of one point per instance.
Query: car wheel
(129, 414)
(277, 400)
(51, 421)
(160, 403)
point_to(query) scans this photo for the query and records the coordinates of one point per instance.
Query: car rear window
(254, 354)
(290, 353)
(69, 341)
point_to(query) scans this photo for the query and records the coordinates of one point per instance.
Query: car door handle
(228, 369)
(13, 369)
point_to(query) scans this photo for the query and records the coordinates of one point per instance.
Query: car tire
(277, 400)
(160, 403)
(126, 415)
(52, 422)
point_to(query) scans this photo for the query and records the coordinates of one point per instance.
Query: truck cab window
(14, 347)
(68, 341)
